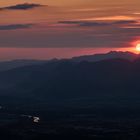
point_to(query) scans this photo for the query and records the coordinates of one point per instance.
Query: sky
(46, 29)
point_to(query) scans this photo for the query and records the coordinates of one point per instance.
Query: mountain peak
(110, 55)
(120, 52)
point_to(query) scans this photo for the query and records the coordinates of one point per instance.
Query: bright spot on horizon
(138, 47)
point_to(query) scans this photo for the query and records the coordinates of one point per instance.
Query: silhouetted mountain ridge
(110, 55)
(7, 65)
(56, 81)
(70, 71)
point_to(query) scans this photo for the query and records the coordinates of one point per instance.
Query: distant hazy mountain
(107, 80)
(17, 63)
(110, 55)
(7, 65)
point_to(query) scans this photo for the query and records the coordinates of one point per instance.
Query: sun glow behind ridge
(138, 47)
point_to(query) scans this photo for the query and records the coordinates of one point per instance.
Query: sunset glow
(138, 47)
(62, 25)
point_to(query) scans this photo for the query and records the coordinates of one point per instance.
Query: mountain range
(109, 82)
(109, 55)
(7, 65)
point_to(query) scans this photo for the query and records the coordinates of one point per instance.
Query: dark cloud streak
(24, 6)
(95, 24)
(15, 26)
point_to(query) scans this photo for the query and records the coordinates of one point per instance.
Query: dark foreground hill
(114, 80)
(85, 100)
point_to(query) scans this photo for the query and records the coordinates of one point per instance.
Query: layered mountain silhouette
(7, 65)
(110, 55)
(106, 82)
